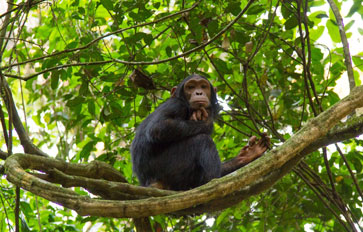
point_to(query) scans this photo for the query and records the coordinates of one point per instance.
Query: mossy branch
(217, 194)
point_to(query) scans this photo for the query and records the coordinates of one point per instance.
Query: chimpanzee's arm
(248, 153)
(170, 122)
(170, 129)
(231, 166)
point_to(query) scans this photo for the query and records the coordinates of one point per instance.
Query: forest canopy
(77, 78)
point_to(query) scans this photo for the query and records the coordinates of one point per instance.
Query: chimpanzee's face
(197, 91)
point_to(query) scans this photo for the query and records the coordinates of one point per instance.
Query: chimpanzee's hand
(199, 115)
(254, 149)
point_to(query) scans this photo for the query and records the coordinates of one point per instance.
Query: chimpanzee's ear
(215, 89)
(173, 91)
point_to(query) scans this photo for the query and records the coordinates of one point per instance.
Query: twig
(102, 37)
(305, 179)
(17, 208)
(8, 12)
(308, 63)
(343, 36)
(58, 67)
(123, 61)
(328, 170)
(304, 63)
(5, 24)
(350, 170)
(221, 32)
(332, 197)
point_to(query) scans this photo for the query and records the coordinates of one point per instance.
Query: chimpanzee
(173, 148)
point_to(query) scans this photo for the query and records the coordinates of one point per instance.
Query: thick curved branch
(342, 132)
(95, 169)
(107, 189)
(121, 191)
(264, 171)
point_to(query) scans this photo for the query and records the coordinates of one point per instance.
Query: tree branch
(249, 180)
(341, 132)
(102, 37)
(25, 141)
(343, 36)
(226, 28)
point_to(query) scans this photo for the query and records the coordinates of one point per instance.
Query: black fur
(170, 148)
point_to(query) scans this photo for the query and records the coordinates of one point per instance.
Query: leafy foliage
(74, 62)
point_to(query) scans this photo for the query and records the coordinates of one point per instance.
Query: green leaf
(222, 66)
(357, 78)
(315, 34)
(24, 225)
(75, 3)
(213, 27)
(349, 25)
(357, 5)
(63, 75)
(358, 62)
(145, 107)
(333, 97)
(84, 91)
(157, 5)
(49, 63)
(25, 208)
(54, 79)
(233, 7)
(72, 45)
(255, 9)
(21, 55)
(75, 15)
(148, 39)
(357, 164)
(321, 16)
(86, 150)
(333, 31)
(135, 16)
(318, 3)
(337, 69)
(291, 23)
(108, 4)
(91, 107)
(138, 36)
(75, 101)
(286, 11)
(168, 51)
(241, 37)
(316, 55)
(145, 13)
(81, 10)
